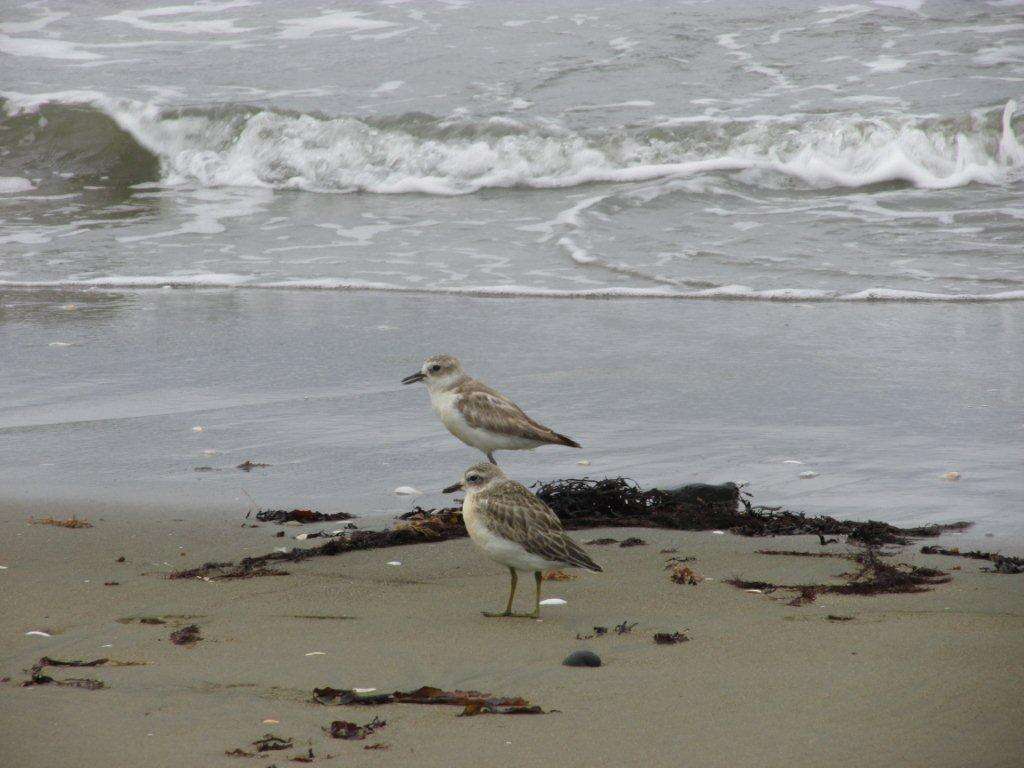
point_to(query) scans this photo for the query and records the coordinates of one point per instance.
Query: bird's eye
(473, 478)
(435, 368)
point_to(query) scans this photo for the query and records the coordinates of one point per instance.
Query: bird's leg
(538, 577)
(511, 597)
(490, 458)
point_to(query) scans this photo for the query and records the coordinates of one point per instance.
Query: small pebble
(209, 452)
(583, 462)
(719, 533)
(582, 659)
(952, 475)
(808, 475)
(197, 429)
(270, 721)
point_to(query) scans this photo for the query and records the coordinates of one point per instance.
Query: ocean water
(843, 182)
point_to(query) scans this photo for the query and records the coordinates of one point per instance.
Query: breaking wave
(88, 134)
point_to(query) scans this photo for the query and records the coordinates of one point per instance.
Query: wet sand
(929, 679)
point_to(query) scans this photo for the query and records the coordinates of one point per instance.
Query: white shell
(808, 475)
(407, 490)
(394, 562)
(951, 475)
(553, 601)
(38, 633)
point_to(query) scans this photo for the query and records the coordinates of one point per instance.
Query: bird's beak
(453, 488)
(418, 376)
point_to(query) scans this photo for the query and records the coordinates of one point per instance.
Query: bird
(478, 415)
(515, 528)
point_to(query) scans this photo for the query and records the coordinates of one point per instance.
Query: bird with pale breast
(515, 528)
(478, 415)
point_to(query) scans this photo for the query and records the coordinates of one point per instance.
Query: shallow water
(346, 184)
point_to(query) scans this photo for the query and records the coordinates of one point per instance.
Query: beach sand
(931, 679)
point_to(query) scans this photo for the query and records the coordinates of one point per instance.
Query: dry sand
(931, 679)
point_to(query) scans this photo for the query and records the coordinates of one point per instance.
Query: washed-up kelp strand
(473, 702)
(873, 577)
(299, 516)
(585, 503)
(418, 527)
(1001, 563)
(590, 504)
(36, 676)
(217, 571)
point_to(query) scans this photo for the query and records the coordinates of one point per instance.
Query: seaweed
(1001, 563)
(684, 574)
(249, 465)
(472, 702)
(217, 571)
(271, 743)
(299, 516)
(666, 638)
(343, 729)
(71, 522)
(625, 627)
(36, 676)
(797, 553)
(873, 577)
(804, 596)
(633, 541)
(186, 635)
(584, 503)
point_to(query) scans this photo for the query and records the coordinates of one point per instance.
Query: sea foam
(255, 147)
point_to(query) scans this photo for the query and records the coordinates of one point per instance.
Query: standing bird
(476, 414)
(515, 528)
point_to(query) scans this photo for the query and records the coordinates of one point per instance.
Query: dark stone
(582, 659)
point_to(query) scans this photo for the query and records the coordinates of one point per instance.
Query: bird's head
(477, 478)
(439, 372)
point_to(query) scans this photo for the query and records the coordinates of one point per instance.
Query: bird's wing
(512, 512)
(483, 408)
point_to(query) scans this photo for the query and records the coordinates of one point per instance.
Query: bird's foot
(509, 615)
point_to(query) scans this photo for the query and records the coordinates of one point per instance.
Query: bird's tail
(563, 440)
(579, 558)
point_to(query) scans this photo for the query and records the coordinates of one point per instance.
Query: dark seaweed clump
(585, 503)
